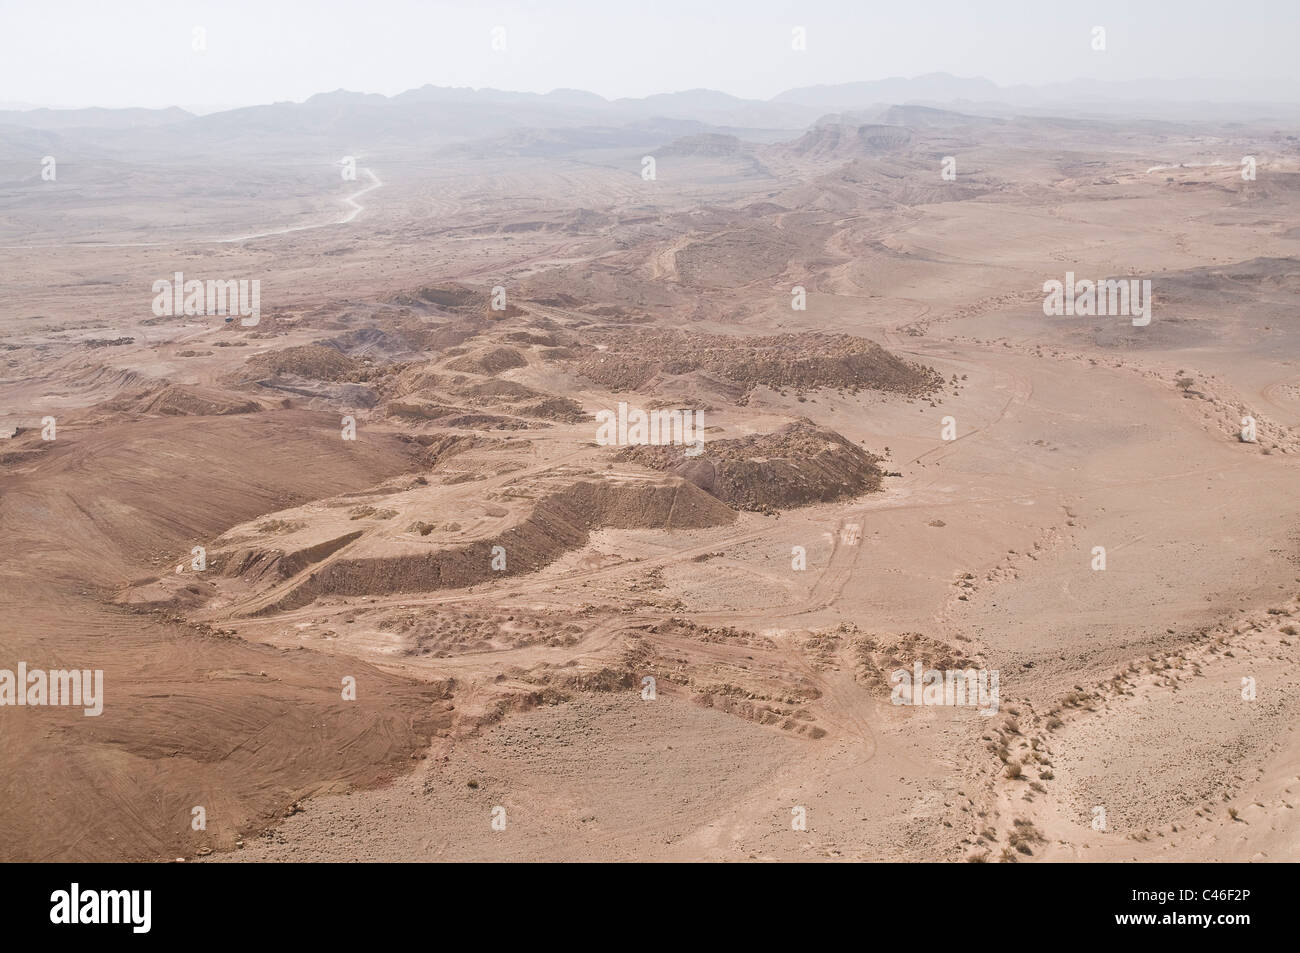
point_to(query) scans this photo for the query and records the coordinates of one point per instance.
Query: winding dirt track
(356, 208)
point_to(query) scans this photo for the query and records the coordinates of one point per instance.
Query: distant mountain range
(447, 115)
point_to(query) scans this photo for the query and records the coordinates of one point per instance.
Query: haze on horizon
(84, 54)
(948, 511)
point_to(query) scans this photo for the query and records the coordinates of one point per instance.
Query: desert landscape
(587, 479)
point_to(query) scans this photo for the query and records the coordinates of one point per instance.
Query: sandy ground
(771, 734)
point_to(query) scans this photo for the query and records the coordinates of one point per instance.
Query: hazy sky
(140, 52)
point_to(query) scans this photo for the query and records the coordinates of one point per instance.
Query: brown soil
(798, 464)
